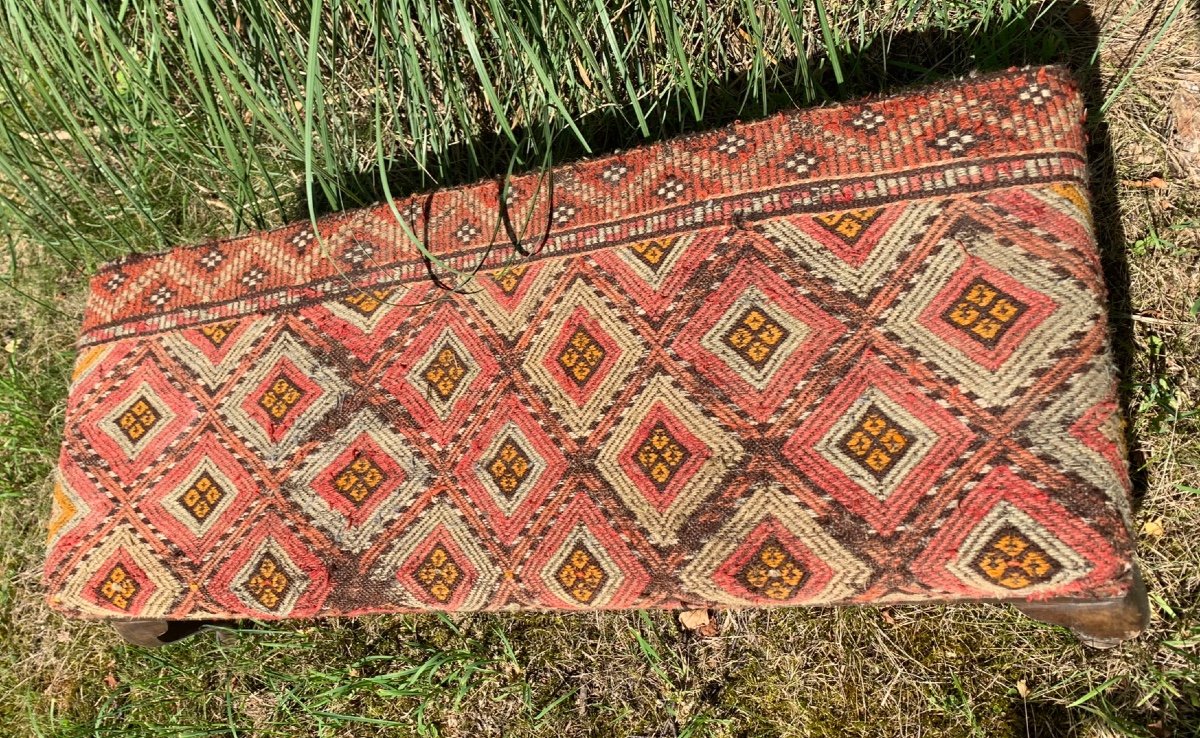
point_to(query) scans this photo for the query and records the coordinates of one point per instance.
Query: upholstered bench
(855, 354)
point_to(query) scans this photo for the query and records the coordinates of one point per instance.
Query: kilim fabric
(843, 355)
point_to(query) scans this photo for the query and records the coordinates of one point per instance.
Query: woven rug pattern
(851, 354)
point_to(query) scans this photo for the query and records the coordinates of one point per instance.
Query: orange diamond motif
(438, 574)
(445, 372)
(984, 312)
(653, 252)
(280, 398)
(660, 456)
(509, 278)
(268, 583)
(850, 224)
(877, 442)
(359, 479)
(581, 575)
(136, 421)
(582, 356)
(202, 497)
(755, 337)
(773, 572)
(509, 468)
(367, 302)
(1013, 561)
(216, 333)
(118, 588)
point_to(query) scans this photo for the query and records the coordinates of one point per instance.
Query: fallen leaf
(1153, 182)
(1153, 528)
(699, 621)
(110, 680)
(11, 346)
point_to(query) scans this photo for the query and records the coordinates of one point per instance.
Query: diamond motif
(366, 302)
(438, 575)
(440, 375)
(271, 569)
(1035, 94)
(665, 457)
(732, 144)
(660, 456)
(137, 420)
(985, 313)
(279, 399)
(760, 382)
(772, 572)
(360, 479)
(113, 283)
(438, 562)
(875, 447)
(211, 259)
(800, 162)
(216, 333)
(581, 357)
(877, 443)
(253, 277)
(202, 497)
(755, 337)
(284, 391)
(563, 214)
(654, 252)
(583, 561)
(1013, 561)
(358, 253)
(868, 120)
(509, 278)
(160, 297)
(510, 475)
(354, 483)
(580, 575)
(1006, 534)
(770, 551)
(118, 588)
(956, 141)
(445, 372)
(670, 189)
(614, 172)
(509, 468)
(268, 583)
(849, 225)
(974, 264)
(466, 231)
(301, 239)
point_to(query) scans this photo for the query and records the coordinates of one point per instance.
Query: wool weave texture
(852, 354)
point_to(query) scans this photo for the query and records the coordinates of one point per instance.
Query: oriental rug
(842, 355)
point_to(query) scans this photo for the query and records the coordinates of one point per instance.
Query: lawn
(130, 127)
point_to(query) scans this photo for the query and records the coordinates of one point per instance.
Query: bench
(853, 354)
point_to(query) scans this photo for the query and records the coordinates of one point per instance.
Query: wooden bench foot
(1098, 623)
(155, 633)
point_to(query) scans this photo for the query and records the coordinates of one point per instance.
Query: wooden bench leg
(155, 633)
(1098, 623)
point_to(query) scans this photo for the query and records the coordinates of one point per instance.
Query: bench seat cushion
(853, 354)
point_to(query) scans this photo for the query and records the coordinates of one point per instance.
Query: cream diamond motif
(509, 468)
(877, 443)
(444, 374)
(755, 337)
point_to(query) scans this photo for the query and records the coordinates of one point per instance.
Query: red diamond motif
(883, 482)
(985, 313)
